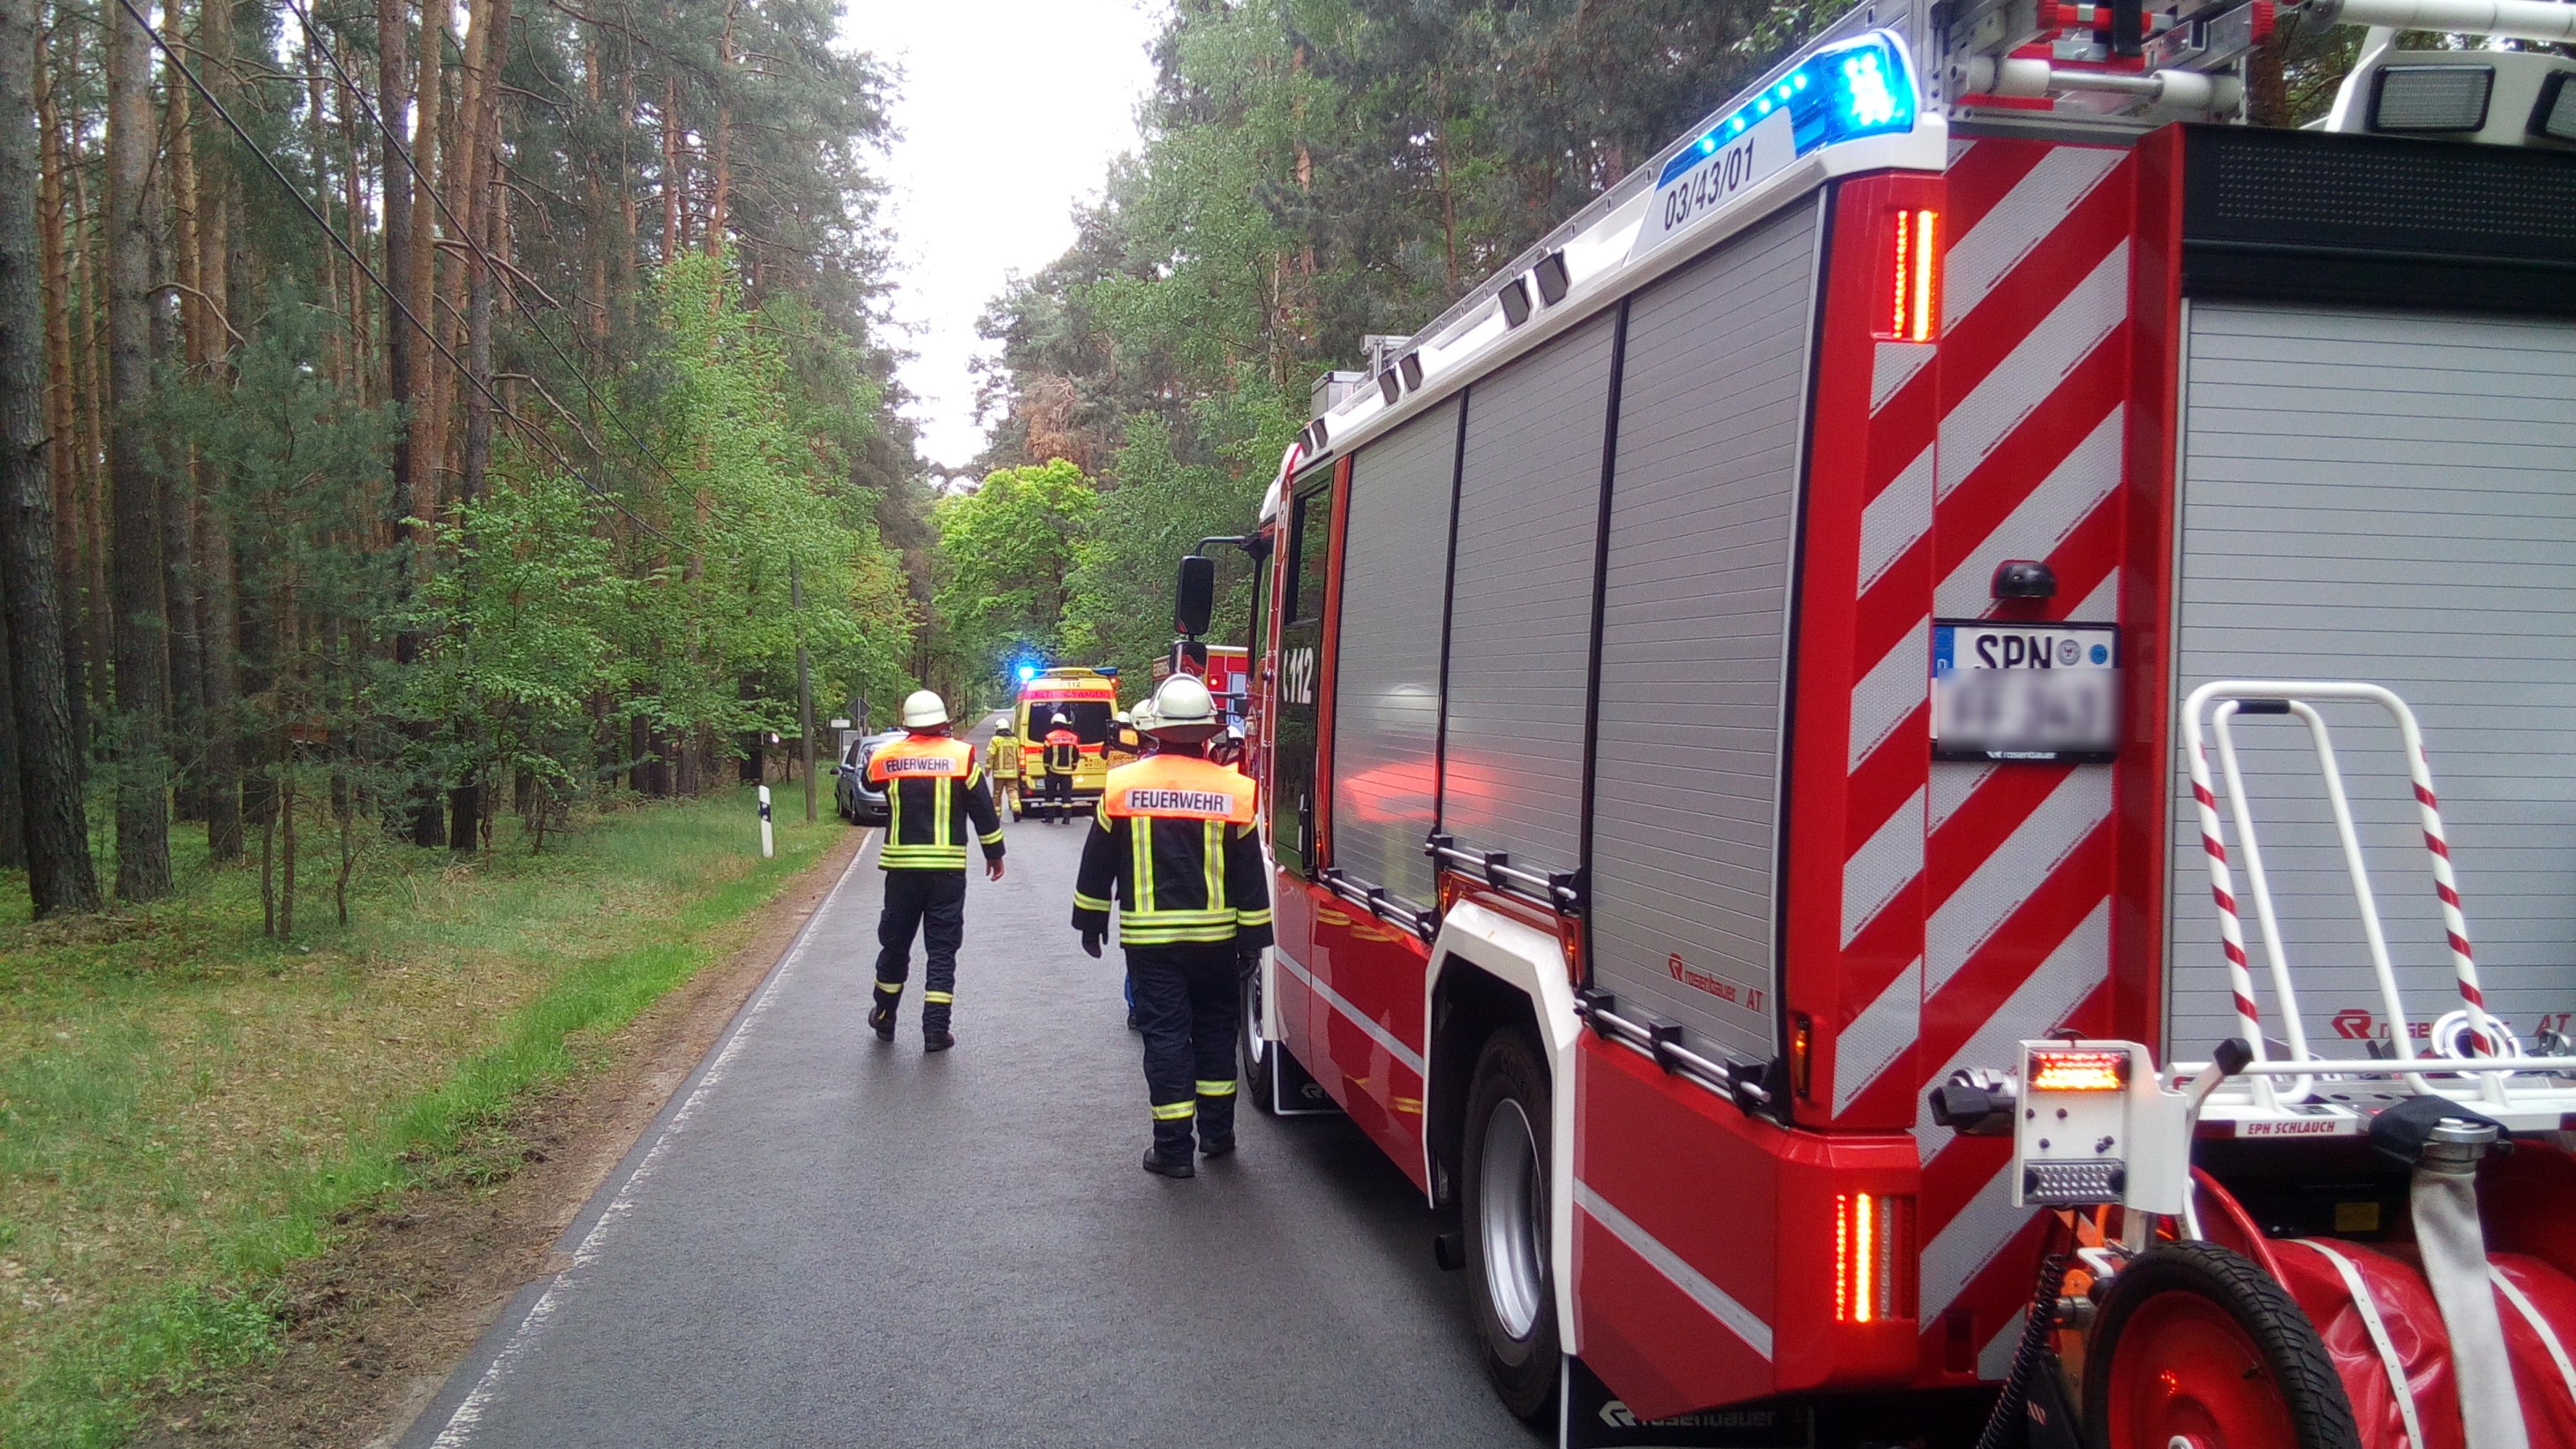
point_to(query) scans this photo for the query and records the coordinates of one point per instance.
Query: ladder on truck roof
(2473, 1051)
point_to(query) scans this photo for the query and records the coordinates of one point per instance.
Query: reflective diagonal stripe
(1175, 1111)
(1884, 865)
(2003, 880)
(1216, 1089)
(1083, 902)
(1741, 1321)
(993, 837)
(2042, 520)
(1889, 694)
(2014, 226)
(890, 988)
(1877, 1036)
(1979, 423)
(1897, 518)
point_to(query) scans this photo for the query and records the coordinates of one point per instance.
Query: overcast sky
(1011, 110)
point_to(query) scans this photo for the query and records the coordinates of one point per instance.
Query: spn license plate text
(2040, 692)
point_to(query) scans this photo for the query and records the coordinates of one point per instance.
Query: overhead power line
(483, 256)
(337, 241)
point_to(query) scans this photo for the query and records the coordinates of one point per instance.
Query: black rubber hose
(2001, 1424)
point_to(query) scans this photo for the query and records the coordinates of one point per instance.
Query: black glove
(1247, 962)
(1091, 943)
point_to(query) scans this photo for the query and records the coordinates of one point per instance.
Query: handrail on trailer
(2481, 1031)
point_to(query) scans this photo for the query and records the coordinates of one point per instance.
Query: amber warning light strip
(2075, 1071)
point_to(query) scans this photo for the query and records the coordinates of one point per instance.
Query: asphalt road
(830, 1241)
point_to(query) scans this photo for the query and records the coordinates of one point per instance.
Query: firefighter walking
(1174, 847)
(935, 792)
(1063, 756)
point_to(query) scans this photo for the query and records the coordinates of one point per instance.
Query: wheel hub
(2188, 1376)
(1511, 1216)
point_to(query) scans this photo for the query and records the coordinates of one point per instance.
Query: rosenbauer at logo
(2357, 1023)
(1748, 997)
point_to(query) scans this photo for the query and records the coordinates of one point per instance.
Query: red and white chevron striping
(1997, 879)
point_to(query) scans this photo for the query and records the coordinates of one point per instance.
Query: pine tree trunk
(142, 618)
(218, 610)
(62, 456)
(13, 805)
(187, 697)
(45, 754)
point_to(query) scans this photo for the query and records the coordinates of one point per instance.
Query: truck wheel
(2197, 1346)
(1260, 1058)
(1505, 1197)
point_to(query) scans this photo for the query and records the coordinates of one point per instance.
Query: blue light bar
(1839, 94)
(1028, 672)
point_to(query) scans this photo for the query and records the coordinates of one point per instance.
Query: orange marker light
(2079, 1071)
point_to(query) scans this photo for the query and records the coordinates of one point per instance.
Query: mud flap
(1588, 1416)
(1293, 1093)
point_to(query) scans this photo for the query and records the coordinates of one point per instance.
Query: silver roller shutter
(2387, 497)
(1386, 672)
(1520, 630)
(1703, 513)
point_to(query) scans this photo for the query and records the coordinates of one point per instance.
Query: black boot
(1156, 1164)
(881, 1021)
(1216, 1146)
(936, 1039)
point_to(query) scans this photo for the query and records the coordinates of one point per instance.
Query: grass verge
(186, 1107)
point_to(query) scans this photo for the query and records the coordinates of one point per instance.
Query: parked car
(859, 802)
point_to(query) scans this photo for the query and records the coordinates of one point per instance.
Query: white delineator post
(768, 838)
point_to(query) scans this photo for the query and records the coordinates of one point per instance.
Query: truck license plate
(2035, 692)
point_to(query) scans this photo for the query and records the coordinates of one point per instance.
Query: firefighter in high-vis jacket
(1174, 847)
(1063, 756)
(935, 791)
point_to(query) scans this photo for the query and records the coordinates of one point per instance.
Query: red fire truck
(1722, 702)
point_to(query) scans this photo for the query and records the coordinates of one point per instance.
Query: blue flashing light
(1028, 672)
(1861, 88)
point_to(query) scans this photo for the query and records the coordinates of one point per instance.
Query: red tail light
(1914, 299)
(1873, 1257)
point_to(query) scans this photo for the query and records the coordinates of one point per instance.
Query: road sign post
(768, 838)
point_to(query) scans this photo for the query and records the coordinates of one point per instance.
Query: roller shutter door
(1520, 631)
(2391, 498)
(1386, 670)
(1703, 519)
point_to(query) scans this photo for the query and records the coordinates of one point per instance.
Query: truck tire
(1260, 1058)
(2196, 1343)
(1504, 1194)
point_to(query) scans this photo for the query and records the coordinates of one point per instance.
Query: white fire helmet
(924, 710)
(1182, 711)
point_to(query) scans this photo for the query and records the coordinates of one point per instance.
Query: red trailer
(1723, 694)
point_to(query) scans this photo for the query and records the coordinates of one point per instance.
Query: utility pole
(804, 686)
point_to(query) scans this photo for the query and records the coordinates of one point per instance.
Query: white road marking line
(469, 1414)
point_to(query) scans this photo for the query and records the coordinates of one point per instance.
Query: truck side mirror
(1194, 596)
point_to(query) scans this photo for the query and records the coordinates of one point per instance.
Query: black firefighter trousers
(1189, 1003)
(932, 902)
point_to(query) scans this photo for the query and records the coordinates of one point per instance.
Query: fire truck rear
(1777, 708)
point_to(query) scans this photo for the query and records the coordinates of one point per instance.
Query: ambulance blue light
(1861, 88)
(1028, 672)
